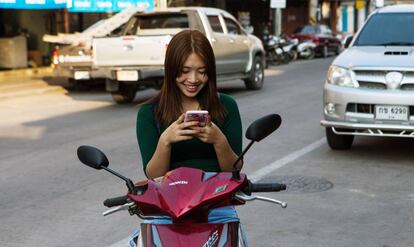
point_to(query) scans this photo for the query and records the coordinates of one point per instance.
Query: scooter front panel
(190, 235)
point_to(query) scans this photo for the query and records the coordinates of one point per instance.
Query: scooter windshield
(185, 190)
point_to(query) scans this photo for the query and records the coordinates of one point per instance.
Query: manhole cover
(301, 184)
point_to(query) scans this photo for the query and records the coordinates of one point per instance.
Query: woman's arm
(156, 151)
(227, 141)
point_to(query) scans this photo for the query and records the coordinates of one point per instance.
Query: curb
(29, 72)
(32, 92)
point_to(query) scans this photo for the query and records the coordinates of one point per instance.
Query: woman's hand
(180, 131)
(211, 133)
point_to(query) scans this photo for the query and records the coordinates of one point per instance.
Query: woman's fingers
(190, 124)
(180, 119)
(209, 123)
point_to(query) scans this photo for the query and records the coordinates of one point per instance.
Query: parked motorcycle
(306, 49)
(186, 195)
(279, 50)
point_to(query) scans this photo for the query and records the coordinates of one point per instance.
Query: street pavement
(360, 197)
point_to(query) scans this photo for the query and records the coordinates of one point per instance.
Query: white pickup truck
(136, 58)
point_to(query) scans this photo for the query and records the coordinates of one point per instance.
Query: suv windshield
(387, 29)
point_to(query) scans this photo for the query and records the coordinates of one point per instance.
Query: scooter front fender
(195, 235)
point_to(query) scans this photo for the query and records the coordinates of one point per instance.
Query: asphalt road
(361, 197)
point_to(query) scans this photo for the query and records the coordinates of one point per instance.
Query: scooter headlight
(340, 76)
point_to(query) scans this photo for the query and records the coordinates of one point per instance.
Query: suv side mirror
(348, 41)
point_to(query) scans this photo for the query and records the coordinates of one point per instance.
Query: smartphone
(200, 116)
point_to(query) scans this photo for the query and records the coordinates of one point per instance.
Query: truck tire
(338, 142)
(125, 93)
(256, 77)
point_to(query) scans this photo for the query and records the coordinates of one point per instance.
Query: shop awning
(77, 5)
(107, 5)
(32, 4)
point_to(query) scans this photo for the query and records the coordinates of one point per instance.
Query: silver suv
(369, 89)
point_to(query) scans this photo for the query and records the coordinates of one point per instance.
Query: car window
(325, 30)
(215, 23)
(307, 30)
(157, 21)
(387, 29)
(232, 27)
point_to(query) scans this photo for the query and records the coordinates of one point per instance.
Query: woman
(166, 141)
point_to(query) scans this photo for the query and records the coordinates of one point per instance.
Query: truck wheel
(125, 94)
(338, 142)
(256, 78)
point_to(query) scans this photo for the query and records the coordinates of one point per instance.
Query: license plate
(391, 112)
(82, 75)
(127, 75)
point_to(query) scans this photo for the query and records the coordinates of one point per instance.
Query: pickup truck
(135, 59)
(72, 56)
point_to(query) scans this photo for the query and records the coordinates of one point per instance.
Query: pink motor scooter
(186, 195)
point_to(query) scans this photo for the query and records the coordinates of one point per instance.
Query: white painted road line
(259, 174)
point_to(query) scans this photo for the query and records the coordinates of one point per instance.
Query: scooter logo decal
(220, 189)
(178, 182)
(212, 239)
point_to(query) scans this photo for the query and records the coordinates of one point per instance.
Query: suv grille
(404, 53)
(367, 108)
(375, 79)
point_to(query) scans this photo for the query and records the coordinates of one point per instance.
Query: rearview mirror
(263, 127)
(92, 157)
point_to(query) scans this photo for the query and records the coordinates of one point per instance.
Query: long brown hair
(168, 101)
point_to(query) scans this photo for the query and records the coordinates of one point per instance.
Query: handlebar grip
(267, 187)
(116, 201)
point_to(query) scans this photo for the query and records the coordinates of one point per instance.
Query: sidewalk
(30, 81)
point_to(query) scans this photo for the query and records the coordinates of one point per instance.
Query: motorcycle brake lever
(242, 196)
(118, 208)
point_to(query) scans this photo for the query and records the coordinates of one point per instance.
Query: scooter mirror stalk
(256, 132)
(95, 158)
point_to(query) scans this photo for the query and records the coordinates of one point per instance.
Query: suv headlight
(340, 76)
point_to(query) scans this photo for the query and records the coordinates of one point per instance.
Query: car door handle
(213, 40)
(231, 40)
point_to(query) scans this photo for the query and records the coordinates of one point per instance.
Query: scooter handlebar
(267, 187)
(116, 201)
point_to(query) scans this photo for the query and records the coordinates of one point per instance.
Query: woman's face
(193, 76)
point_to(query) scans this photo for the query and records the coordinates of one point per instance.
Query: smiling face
(193, 76)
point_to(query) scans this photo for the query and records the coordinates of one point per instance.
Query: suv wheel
(256, 78)
(125, 93)
(338, 142)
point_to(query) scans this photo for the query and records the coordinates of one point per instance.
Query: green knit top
(191, 153)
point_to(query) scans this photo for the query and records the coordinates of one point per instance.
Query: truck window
(232, 27)
(215, 23)
(163, 21)
(157, 21)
